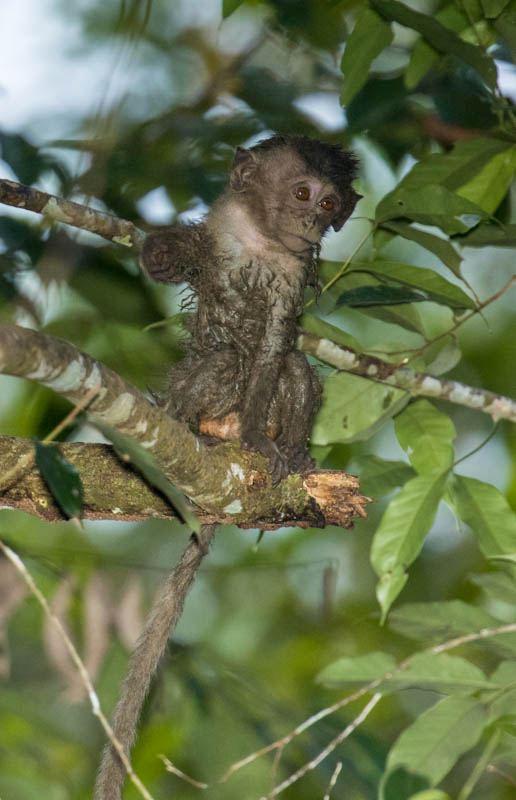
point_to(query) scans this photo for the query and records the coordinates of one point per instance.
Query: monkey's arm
(176, 253)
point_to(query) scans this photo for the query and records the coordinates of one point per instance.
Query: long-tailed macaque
(248, 263)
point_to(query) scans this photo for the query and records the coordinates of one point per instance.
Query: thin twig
(93, 697)
(310, 765)
(333, 781)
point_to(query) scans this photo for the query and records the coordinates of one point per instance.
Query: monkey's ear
(243, 169)
(347, 210)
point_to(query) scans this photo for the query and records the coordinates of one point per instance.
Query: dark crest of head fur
(329, 161)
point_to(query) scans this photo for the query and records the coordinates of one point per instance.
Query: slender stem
(481, 765)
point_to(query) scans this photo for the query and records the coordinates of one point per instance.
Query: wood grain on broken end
(336, 494)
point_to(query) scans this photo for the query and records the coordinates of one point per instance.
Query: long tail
(163, 617)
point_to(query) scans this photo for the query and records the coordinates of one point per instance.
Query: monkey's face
(298, 206)
(289, 203)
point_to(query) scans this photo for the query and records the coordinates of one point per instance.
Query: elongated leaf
(489, 234)
(497, 585)
(503, 704)
(427, 435)
(434, 742)
(322, 328)
(404, 316)
(484, 508)
(430, 794)
(401, 532)
(379, 477)
(439, 672)
(144, 461)
(379, 296)
(488, 187)
(353, 408)
(61, 477)
(357, 670)
(493, 8)
(369, 37)
(442, 248)
(439, 622)
(435, 287)
(430, 205)
(423, 55)
(442, 39)
(444, 357)
(456, 168)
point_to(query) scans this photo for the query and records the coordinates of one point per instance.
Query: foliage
(415, 277)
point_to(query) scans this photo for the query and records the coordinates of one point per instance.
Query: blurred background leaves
(140, 117)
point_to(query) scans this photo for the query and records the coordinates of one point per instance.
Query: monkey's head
(296, 188)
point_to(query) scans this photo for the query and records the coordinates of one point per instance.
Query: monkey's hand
(260, 443)
(173, 254)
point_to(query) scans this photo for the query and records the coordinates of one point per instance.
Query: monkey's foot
(299, 459)
(260, 443)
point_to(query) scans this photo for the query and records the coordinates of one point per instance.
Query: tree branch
(417, 383)
(120, 231)
(229, 485)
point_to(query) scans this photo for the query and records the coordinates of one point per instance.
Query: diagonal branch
(230, 485)
(417, 383)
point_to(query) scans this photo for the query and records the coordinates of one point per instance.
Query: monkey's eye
(302, 193)
(327, 203)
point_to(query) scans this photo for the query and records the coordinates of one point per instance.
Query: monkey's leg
(296, 402)
(206, 386)
(163, 617)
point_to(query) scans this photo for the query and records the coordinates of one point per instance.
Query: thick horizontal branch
(227, 484)
(417, 383)
(117, 230)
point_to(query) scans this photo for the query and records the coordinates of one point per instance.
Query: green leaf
(61, 477)
(401, 532)
(489, 186)
(434, 742)
(379, 477)
(438, 622)
(423, 55)
(442, 39)
(357, 670)
(369, 37)
(426, 434)
(430, 794)
(490, 234)
(433, 204)
(493, 8)
(497, 585)
(443, 356)
(442, 248)
(503, 704)
(379, 296)
(404, 316)
(436, 288)
(324, 329)
(145, 463)
(353, 408)
(485, 509)
(438, 672)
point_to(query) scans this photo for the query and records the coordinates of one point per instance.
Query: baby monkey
(249, 263)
